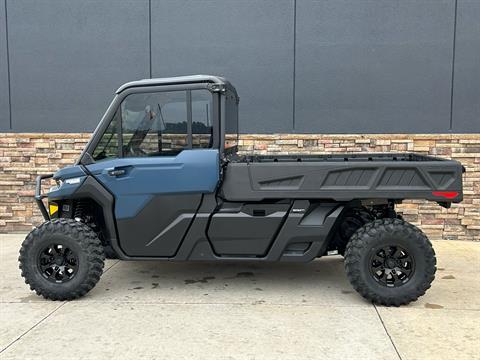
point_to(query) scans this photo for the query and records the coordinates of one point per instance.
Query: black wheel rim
(58, 263)
(392, 266)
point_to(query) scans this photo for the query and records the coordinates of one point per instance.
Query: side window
(107, 148)
(154, 124)
(165, 123)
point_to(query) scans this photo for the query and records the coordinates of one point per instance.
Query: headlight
(61, 182)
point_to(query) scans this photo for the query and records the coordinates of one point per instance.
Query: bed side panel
(342, 181)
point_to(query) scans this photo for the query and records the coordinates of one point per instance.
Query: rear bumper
(39, 196)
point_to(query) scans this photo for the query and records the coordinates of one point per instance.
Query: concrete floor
(158, 310)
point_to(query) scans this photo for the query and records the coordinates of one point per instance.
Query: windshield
(107, 147)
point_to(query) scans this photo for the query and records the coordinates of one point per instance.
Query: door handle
(116, 172)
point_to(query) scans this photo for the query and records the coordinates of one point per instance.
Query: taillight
(446, 194)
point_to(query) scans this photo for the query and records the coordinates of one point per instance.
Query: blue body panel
(74, 173)
(191, 171)
(69, 172)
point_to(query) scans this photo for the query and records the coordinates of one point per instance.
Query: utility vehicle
(161, 179)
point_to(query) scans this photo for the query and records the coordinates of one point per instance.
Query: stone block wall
(24, 156)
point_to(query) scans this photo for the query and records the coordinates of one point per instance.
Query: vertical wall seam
(150, 37)
(8, 69)
(453, 64)
(294, 60)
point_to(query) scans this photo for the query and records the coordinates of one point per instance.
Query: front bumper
(39, 196)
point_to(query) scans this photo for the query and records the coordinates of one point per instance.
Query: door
(155, 157)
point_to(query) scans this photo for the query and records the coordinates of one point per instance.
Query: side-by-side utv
(161, 179)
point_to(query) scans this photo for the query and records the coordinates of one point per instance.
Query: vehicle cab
(157, 149)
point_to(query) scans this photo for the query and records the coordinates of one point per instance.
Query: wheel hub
(390, 263)
(391, 266)
(57, 263)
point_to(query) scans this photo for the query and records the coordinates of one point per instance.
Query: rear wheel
(62, 259)
(390, 262)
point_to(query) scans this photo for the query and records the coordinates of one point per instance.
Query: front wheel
(390, 262)
(62, 259)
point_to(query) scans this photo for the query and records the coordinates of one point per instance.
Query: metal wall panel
(374, 66)
(68, 57)
(466, 100)
(249, 42)
(361, 66)
(4, 105)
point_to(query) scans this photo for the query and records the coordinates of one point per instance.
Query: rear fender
(307, 231)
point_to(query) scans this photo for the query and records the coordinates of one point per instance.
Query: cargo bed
(343, 177)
